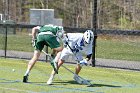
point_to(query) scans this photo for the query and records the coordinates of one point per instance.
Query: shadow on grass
(6, 81)
(92, 85)
(104, 85)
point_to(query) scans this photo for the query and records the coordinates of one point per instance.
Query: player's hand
(34, 42)
(83, 62)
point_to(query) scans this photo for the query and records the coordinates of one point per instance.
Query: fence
(111, 48)
(18, 44)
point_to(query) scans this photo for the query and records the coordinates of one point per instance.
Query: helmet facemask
(60, 32)
(88, 37)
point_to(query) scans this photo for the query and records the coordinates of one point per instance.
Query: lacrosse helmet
(60, 32)
(88, 36)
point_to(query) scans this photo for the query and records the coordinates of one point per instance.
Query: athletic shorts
(47, 40)
(67, 52)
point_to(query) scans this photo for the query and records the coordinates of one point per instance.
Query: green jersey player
(44, 35)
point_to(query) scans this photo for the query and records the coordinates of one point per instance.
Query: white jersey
(75, 46)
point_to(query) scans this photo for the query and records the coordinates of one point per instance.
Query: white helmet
(60, 32)
(88, 36)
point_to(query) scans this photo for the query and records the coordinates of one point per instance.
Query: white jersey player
(75, 44)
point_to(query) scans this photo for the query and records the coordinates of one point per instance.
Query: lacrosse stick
(80, 79)
(51, 60)
(49, 55)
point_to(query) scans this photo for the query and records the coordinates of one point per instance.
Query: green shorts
(47, 40)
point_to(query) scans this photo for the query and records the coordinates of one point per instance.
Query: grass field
(108, 47)
(103, 80)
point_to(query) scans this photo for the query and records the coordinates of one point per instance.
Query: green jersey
(49, 28)
(47, 36)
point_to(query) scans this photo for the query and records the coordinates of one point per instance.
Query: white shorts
(66, 52)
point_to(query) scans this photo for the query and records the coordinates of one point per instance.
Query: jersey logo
(77, 48)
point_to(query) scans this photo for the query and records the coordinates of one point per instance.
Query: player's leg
(78, 68)
(55, 60)
(63, 56)
(78, 79)
(78, 57)
(55, 45)
(50, 80)
(31, 64)
(39, 44)
(77, 71)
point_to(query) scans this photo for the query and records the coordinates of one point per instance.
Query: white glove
(34, 42)
(83, 62)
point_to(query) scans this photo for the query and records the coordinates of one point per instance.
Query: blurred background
(111, 14)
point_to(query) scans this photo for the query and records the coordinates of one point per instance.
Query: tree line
(111, 14)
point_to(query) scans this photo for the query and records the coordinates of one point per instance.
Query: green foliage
(125, 23)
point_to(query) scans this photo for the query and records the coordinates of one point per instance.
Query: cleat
(25, 79)
(55, 66)
(49, 82)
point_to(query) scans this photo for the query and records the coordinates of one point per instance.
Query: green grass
(103, 80)
(107, 47)
(118, 49)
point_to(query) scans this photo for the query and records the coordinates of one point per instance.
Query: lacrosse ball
(13, 70)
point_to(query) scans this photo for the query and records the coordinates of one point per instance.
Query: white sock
(27, 73)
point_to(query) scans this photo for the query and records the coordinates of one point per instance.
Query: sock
(27, 73)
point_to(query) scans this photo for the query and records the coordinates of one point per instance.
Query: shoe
(77, 79)
(25, 79)
(55, 66)
(49, 82)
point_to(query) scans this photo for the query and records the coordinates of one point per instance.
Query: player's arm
(89, 52)
(88, 57)
(34, 32)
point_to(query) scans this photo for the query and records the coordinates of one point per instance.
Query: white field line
(14, 89)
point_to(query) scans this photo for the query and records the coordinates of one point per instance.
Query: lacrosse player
(75, 44)
(44, 35)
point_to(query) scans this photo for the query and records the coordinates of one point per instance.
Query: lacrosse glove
(83, 62)
(34, 42)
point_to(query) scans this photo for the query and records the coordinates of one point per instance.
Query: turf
(103, 80)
